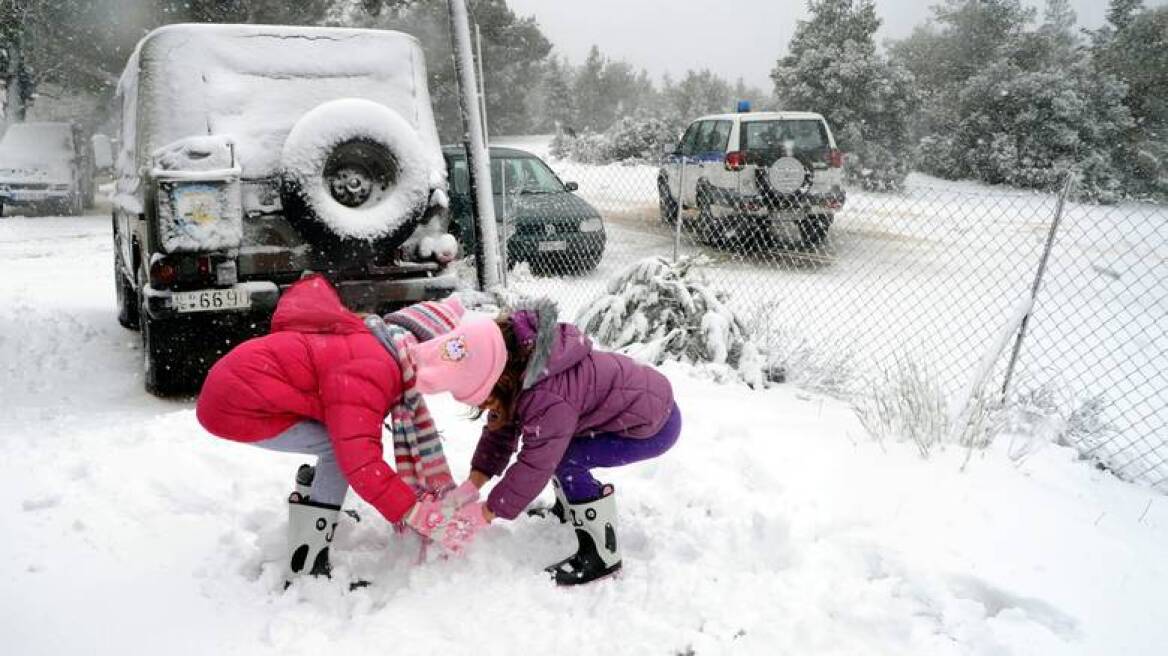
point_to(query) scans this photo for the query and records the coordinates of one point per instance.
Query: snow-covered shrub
(637, 138)
(630, 139)
(1053, 412)
(906, 401)
(795, 358)
(657, 310)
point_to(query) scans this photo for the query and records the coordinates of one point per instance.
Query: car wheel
(127, 298)
(164, 369)
(814, 230)
(666, 204)
(707, 228)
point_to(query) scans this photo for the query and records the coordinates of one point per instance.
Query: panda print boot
(311, 527)
(597, 555)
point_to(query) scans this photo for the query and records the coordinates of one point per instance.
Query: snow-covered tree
(658, 310)
(833, 67)
(1006, 101)
(1134, 49)
(553, 107)
(699, 92)
(514, 52)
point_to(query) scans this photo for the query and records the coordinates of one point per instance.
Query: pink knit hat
(466, 362)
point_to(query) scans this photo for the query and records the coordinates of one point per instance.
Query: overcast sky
(734, 38)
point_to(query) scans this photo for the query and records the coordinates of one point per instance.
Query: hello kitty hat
(466, 361)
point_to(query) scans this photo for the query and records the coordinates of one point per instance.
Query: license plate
(546, 246)
(210, 300)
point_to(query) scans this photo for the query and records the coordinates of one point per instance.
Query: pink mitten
(460, 530)
(426, 515)
(461, 495)
(431, 512)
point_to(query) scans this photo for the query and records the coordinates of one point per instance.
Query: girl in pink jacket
(323, 382)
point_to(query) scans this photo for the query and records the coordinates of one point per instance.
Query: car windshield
(523, 175)
(800, 135)
(40, 141)
(518, 175)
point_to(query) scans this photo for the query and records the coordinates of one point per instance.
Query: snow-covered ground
(774, 527)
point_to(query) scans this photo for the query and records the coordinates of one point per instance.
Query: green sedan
(542, 222)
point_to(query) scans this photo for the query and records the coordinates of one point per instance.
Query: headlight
(591, 225)
(199, 216)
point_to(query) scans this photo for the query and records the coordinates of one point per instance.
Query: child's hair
(506, 390)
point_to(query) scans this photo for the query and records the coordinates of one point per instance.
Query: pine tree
(1121, 12)
(833, 67)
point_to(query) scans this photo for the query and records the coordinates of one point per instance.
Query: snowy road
(774, 527)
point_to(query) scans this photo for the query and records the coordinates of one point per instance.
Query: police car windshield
(801, 135)
(523, 175)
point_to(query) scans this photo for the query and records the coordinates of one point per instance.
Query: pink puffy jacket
(320, 362)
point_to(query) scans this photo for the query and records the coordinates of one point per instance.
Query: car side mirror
(571, 186)
(103, 153)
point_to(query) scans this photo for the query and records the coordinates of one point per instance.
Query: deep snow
(775, 526)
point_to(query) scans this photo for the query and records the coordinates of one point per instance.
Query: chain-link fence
(837, 289)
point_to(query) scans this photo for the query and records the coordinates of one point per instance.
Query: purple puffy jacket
(570, 391)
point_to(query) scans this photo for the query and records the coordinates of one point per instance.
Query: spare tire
(358, 169)
(787, 175)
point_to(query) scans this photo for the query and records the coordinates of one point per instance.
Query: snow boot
(597, 554)
(558, 509)
(311, 527)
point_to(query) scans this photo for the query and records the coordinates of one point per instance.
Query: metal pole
(478, 159)
(504, 223)
(680, 205)
(1054, 224)
(482, 90)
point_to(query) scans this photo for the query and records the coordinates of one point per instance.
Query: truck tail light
(835, 158)
(735, 160)
(163, 273)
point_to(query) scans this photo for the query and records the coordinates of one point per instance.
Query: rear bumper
(732, 202)
(159, 303)
(357, 295)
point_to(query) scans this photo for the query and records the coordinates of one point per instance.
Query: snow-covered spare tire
(359, 168)
(787, 175)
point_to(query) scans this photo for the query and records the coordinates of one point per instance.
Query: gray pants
(310, 438)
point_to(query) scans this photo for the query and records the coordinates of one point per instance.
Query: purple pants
(610, 450)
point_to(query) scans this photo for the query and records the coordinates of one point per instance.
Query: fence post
(477, 156)
(1054, 225)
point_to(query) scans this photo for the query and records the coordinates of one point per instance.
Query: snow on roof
(251, 83)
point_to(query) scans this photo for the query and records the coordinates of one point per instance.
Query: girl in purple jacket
(569, 409)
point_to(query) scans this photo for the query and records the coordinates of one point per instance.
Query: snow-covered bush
(906, 401)
(631, 139)
(657, 310)
(637, 138)
(794, 357)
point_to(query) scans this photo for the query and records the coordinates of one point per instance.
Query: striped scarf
(417, 447)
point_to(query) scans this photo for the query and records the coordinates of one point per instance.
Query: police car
(753, 179)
